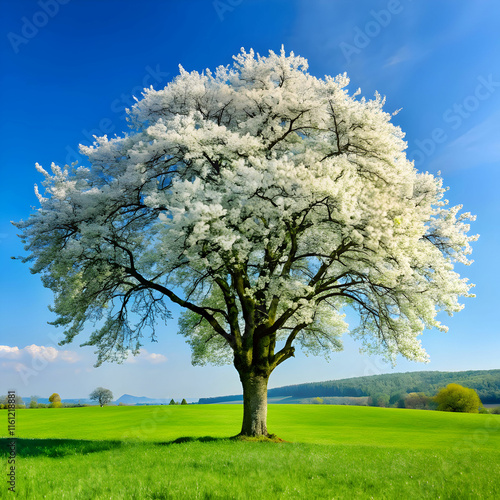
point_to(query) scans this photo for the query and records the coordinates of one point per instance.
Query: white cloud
(9, 352)
(33, 351)
(69, 356)
(156, 358)
(148, 357)
(49, 354)
(40, 351)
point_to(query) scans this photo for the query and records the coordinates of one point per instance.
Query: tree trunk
(254, 405)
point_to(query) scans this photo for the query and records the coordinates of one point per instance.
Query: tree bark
(254, 405)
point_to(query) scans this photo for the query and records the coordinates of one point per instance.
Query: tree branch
(132, 271)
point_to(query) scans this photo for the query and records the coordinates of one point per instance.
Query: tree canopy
(55, 400)
(455, 397)
(101, 395)
(261, 199)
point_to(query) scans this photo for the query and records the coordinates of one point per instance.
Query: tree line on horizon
(393, 385)
(101, 395)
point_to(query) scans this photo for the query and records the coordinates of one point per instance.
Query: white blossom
(261, 199)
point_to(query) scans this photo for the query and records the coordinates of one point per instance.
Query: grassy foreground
(334, 452)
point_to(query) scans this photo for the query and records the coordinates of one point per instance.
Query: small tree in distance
(55, 401)
(397, 400)
(184, 402)
(4, 402)
(102, 396)
(380, 399)
(263, 201)
(418, 401)
(455, 397)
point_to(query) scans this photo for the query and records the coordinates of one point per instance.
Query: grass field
(184, 452)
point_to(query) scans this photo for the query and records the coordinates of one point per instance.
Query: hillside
(485, 382)
(140, 400)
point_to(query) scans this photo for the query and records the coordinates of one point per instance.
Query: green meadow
(185, 452)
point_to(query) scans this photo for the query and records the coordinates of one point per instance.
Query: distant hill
(128, 399)
(485, 382)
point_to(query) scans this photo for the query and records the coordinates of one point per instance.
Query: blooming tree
(263, 200)
(101, 395)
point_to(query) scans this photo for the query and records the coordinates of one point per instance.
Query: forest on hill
(395, 385)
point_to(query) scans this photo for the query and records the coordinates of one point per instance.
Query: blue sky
(68, 69)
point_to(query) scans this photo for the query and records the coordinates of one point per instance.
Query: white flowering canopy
(261, 199)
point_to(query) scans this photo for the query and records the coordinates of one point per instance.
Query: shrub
(455, 397)
(398, 400)
(381, 400)
(418, 401)
(55, 401)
